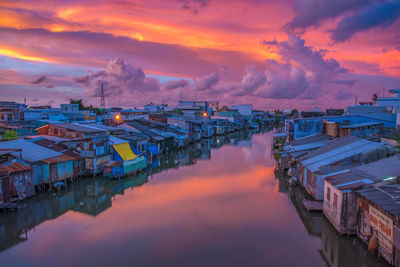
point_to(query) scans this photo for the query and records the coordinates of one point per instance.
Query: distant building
(311, 114)
(69, 107)
(195, 108)
(244, 110)
(298, 128)
(153, 108)
(334, 112)
(390, 101)
(11, 111)
(341, 129)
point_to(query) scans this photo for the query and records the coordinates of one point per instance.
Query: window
(335, 197)
(328, 194)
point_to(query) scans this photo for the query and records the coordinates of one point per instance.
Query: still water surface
(217, 203)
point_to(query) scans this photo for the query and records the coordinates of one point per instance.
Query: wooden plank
(313, 205)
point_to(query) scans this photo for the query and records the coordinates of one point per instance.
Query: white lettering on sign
(384, 226)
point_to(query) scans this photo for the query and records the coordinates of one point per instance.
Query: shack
(362, 129)
(378, 218)
(78, 161)
(16, 177)
(293, 150)
(92, 143)
(336, 156)
(125, 161)
(163, 142)
(48, 166)
(192, 126)
(340, 201)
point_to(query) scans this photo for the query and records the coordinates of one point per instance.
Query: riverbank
(209, 205)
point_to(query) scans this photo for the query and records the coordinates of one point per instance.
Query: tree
(79, 102)
(374, 98)
(294, 113)
(9, 135)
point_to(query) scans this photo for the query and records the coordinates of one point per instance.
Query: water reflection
(215, 203)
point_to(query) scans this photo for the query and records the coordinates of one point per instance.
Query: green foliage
(277, 119)
(294, 113)
(277, 154)
(177, 111)
(77, 101)
(9, 135)
(97, 111)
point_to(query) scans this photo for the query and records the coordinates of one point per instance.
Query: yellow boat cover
(125, 151)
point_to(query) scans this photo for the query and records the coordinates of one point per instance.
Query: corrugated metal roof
(387, 197)
(336, 151)
(359, 125)
(78, 128)
(303, 147)
(309, 139)
(383, 168)
(332, 145)
(365, 174)
(57, 147)
(166, 134)
(6, 151)
(146, 130)
(351, 179)
(115, 140)
(30, 152)
(61, 158)
(48, 137)
(13, 167)
(102, 127)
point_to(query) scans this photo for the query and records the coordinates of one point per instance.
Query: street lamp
(205, 114)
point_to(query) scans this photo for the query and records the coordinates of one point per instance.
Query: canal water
(218, 203)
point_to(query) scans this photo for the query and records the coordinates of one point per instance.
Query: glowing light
(57, 28)
(117, 117)
(389, 178)
(15, 54)
(205, 114)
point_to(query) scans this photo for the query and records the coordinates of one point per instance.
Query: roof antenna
(102, 101)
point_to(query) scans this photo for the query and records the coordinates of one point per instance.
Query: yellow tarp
(125, 151)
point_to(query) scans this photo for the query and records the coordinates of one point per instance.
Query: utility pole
(102, 101)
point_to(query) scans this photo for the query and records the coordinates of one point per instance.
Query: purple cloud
(378, 14)
(41, 79)
(284, 81)
(341, 94)
(194, 5)
(314, 12)
(206, 82)
(304, 72)
(171, 85)
(118, 78)
(345, 82)
(92, 49)
(252, 80)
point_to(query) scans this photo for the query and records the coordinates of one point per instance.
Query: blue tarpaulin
(153, 149)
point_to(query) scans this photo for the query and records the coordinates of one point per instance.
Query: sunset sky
(273, 54)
